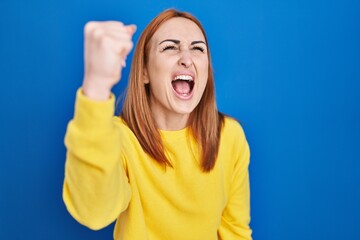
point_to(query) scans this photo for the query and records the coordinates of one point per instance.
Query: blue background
(289, 70)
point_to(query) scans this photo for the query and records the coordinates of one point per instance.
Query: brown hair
(205, 122)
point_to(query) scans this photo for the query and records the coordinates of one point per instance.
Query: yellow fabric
(108, 176)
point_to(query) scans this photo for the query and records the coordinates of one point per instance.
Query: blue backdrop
(289, 70)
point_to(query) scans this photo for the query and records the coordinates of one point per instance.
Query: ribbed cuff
(90, 113)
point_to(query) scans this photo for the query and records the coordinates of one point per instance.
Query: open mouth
(183, 85)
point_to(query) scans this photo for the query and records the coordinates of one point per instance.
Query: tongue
(181, 87)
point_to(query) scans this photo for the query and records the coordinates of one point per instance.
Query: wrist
(96, 90)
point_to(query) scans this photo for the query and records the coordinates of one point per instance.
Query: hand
(107, 45)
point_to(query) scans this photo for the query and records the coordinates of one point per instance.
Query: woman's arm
(236, 215)
(96, 188)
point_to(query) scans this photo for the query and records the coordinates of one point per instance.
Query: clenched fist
(106, 47)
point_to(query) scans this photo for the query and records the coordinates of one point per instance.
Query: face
(177, 69)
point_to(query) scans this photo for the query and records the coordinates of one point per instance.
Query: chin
(184, 109)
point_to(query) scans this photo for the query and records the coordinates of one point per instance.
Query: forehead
(178, 28)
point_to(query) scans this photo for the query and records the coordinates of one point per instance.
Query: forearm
(96, 188)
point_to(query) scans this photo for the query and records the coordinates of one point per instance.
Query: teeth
(183, 77)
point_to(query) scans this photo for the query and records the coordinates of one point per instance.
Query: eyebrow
(178, 41)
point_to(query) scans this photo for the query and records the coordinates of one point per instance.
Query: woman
(171, 166)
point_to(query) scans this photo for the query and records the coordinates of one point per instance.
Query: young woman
(170, 167)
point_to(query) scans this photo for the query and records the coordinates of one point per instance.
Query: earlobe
(146, 77)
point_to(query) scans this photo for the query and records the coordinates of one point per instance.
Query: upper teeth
(184, 77)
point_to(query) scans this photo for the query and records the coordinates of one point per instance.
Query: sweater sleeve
(96, 189)
(236, 215)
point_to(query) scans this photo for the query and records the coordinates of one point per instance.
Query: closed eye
(169, 47)
(198, 48)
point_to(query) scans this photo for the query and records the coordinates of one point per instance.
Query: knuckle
(127, 46)
(105, 41)
(120, 24)
(89, 26)
(98, 33)
(114, 23)
(131, 44)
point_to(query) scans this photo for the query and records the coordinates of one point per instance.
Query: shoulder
(233, 141)
(233, 136)
(120, 122)
(232, 129)
(125, 131)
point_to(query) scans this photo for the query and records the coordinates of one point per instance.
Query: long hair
(205, 122)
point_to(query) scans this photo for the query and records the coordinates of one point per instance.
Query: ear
(146, 76)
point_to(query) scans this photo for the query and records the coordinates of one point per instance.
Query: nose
(185, 59)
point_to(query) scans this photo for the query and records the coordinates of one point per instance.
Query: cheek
(204, 71)
(159, 72)
(203, 65)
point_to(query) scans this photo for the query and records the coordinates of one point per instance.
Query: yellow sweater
(108, 176)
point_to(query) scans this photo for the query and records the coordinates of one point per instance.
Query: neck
(170, 121)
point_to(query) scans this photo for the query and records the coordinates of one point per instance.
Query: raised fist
(106, 47)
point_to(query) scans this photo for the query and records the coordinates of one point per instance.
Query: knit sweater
(109, 177)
